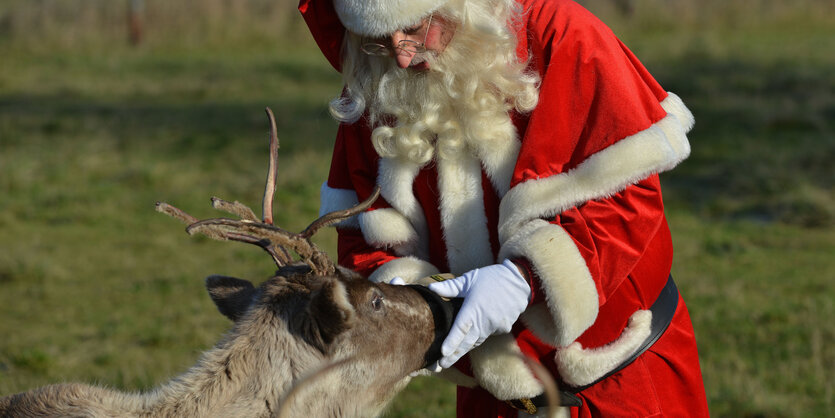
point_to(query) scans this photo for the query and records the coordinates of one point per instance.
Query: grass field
(97, 287)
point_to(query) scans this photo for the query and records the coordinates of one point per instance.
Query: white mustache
(417, 59)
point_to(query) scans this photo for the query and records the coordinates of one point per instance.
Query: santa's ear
(329, 313)
(232, 296)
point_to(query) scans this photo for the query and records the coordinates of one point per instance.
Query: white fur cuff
(579, 367)
(387, 228)
(498, 367)
(570, 292)
(331, 199)
(410, 269)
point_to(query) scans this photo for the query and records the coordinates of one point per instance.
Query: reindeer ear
(231, 296)
(348, 274)
(330, 312)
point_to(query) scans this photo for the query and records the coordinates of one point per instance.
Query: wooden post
(625, 7)
(135, 12)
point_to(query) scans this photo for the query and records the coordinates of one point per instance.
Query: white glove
(397, 281)
(494, 297)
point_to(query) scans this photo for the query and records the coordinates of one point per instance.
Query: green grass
(97, 287)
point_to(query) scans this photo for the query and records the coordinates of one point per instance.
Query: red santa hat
(382, 17)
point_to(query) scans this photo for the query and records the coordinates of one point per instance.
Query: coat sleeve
(585, 200)
(377, 242)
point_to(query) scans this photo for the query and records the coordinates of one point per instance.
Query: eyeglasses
(408, 45)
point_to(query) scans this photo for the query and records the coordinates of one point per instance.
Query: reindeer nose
(443, 315)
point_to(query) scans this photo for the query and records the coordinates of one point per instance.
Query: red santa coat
(576, 195)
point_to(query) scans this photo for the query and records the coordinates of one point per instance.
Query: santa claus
(517, 144)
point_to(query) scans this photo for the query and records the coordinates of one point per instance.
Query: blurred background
(107, 106)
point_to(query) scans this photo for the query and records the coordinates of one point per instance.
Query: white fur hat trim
(382, 17)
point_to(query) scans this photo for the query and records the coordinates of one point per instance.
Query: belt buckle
(523, 404)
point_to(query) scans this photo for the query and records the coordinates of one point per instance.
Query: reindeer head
(337, 312)
(340, 316)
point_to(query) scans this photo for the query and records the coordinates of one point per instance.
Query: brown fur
(289, 327)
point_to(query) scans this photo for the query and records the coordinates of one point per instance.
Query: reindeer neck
(239, 377)
(243, 375)
(236, 378)
(351, 387)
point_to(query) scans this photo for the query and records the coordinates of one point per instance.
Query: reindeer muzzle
(443, 314)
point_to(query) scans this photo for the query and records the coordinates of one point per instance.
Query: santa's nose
(403, 57)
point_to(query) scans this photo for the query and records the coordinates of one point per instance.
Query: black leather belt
(662, 310)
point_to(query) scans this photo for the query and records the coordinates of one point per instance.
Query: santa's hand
(494, 297)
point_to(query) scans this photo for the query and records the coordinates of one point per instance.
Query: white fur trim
(395, 179)
(382, 17)
(499, 156)
(675, 106)
(388, 228)
(463, 218)
(498, 367)
(658, 148)
(331, 199)
(578, 366)
(410, 269)
(570, 292)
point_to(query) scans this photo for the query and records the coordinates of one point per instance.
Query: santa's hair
(466, 96)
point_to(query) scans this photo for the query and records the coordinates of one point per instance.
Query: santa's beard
(463, 98)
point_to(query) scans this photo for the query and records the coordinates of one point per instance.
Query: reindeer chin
(443, 314)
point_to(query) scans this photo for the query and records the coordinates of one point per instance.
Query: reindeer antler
(249, 229)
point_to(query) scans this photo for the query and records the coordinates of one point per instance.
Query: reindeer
(315, 340)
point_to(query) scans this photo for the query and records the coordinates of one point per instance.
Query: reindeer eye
(377, 302)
